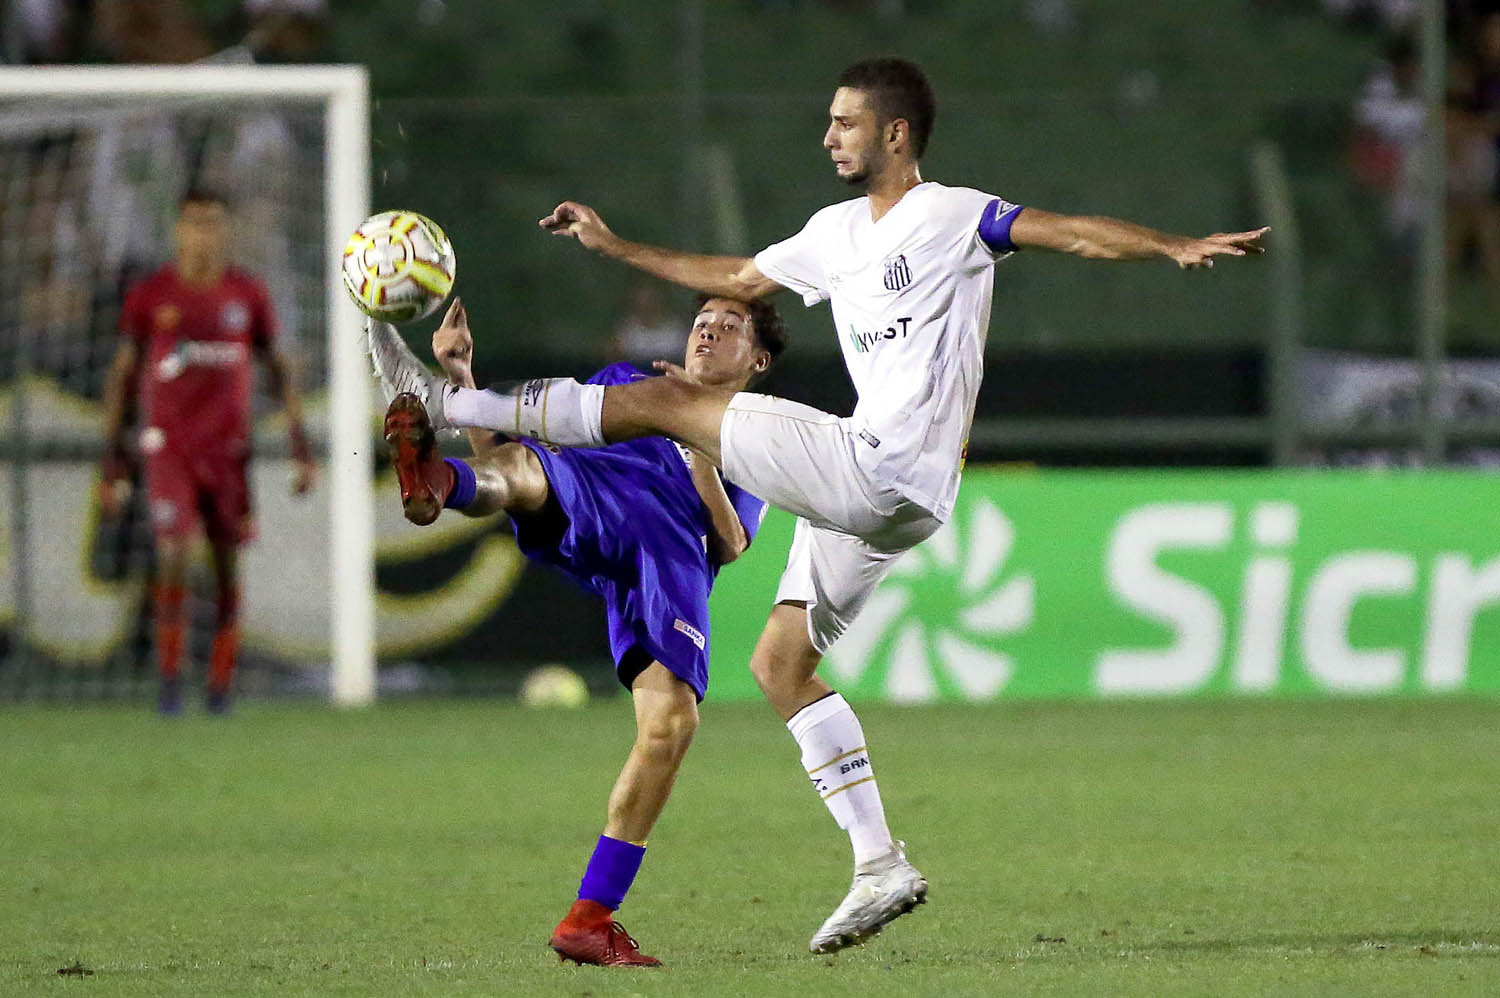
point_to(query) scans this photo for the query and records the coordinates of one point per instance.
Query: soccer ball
(554, 686)
(398, 266)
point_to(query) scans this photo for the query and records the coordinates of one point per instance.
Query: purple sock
(464, 484)
(611, 871)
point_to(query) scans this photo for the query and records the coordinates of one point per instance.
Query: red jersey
(195, 346)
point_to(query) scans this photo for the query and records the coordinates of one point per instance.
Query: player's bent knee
(518, 476)
(666, 737)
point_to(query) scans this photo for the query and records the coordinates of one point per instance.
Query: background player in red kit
(187, 335)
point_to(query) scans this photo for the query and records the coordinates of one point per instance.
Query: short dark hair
(900, 90)
(764, 319)
(204, 194)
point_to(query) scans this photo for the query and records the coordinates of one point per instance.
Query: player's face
(855, 138)
(202, 234)
(721, 349)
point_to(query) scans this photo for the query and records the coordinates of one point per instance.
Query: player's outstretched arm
(1099, 237)
(729, 276)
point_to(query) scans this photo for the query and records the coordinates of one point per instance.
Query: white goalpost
(87, 180)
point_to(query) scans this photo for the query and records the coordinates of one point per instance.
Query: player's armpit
(753, 283)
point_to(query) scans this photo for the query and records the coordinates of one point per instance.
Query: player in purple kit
(646, 524)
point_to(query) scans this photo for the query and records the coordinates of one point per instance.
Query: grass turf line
(1132, 848)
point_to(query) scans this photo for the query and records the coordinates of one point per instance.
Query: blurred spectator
(1473, 142)
(1389, 117)
(1054, 18)
(1393, 15)
(148, 31)
(44, 30)
(286, 30)
(647, 331)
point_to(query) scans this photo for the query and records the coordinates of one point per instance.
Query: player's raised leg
(559, 411)
(564, 412)
(666, 714)
(837, 760)
(508, 477)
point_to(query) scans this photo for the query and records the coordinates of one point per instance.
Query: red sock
(221, 659)
(585, 914)
(167, 607)
(226, 642)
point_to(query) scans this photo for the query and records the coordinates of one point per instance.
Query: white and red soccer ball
(398, 266)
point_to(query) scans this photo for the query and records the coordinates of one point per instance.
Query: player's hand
(304, 477)
(114, 496)
(1195, 253)
(677, 371)
(580, 222)
(453, 345)
(114, 486)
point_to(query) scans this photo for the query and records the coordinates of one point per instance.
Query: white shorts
(851, 528)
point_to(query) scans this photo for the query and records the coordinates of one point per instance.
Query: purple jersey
(637, 534)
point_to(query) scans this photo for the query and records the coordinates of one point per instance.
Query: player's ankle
(879, 864)
(459, 485)
(586, 913)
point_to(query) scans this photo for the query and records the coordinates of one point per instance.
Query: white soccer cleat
(400, 371)
(879, 895)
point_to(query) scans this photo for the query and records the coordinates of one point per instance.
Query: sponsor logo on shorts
(897, 272)
(864, 342)
(693, 634)
(868, 438)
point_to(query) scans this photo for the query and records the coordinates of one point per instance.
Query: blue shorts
(637, 539)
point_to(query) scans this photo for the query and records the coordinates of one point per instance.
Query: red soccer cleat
(603, 943)
(425, 479)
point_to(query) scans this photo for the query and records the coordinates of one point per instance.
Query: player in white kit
(908, 270)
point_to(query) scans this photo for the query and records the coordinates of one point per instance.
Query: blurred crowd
(94, 192)
(162, 31)
(1390, 117)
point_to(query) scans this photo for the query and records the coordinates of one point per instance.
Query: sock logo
(841, 772)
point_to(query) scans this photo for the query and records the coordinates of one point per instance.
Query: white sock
(835, 757)
(557, 410)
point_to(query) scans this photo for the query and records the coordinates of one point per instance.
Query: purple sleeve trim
(994, 225)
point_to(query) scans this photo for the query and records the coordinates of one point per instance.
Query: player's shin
(556, 410)
(225, 650)
(168, 601)
(611, 871)
(838, 763)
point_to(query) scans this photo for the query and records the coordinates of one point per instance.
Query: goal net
(93, 163)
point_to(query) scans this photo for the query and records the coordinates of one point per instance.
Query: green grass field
(1141, 848)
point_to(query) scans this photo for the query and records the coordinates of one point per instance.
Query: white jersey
(911, 303)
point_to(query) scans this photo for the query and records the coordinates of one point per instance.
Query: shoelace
(616, 929)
